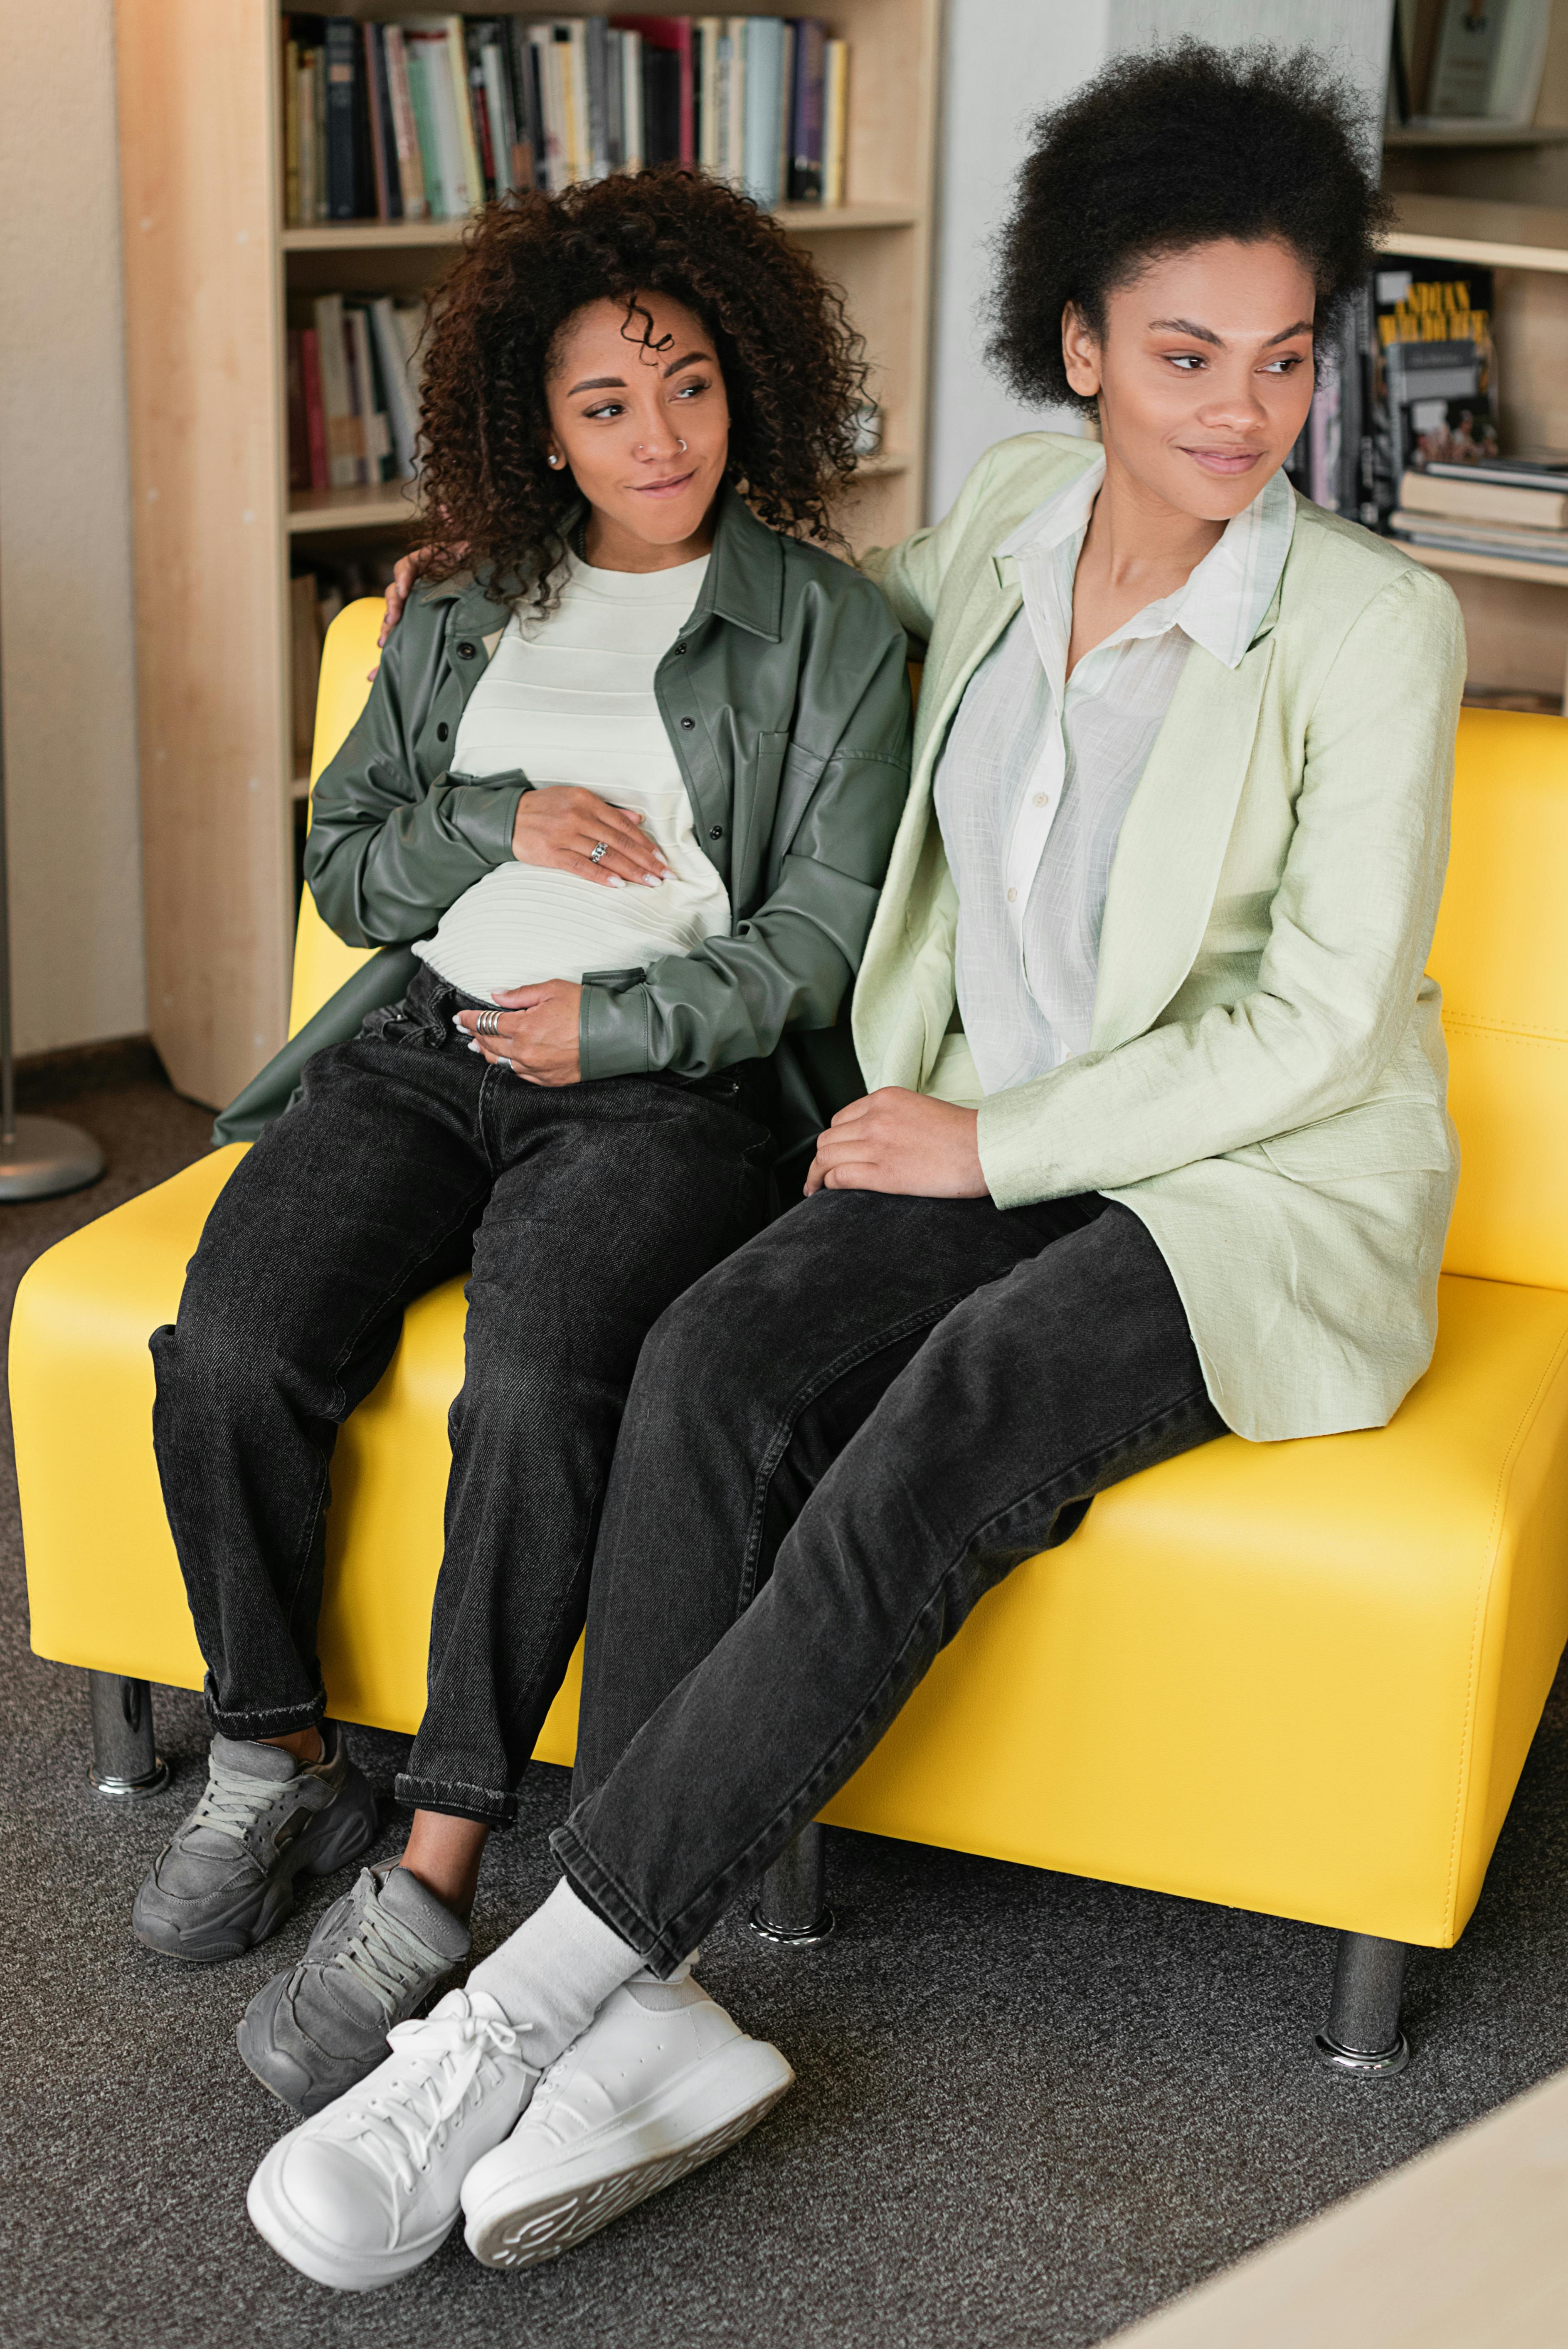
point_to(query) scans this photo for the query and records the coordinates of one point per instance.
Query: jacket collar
(745, 581)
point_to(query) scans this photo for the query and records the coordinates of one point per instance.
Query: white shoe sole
(671, 2133)
(312, 2254)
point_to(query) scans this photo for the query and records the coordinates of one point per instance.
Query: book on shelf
(1458, 65)
(1476, 498)
(1547, 547)
(353, 386)
(1434, 369)
(432, 116)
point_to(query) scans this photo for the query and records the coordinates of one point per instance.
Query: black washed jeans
(835, 1445)
(582, 1210)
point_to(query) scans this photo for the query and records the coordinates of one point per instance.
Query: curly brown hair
(794, 368)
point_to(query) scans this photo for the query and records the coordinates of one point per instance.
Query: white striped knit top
(569, 698)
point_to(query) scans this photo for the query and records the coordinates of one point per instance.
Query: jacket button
(442, 730)
(686, 725)
(717, 832)
(678, 650)
(464, 651)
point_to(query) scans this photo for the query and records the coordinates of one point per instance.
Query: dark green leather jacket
(786, 700)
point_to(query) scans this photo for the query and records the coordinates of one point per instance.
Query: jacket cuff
(1013, 1135)
(612, 1032)
(482, 817)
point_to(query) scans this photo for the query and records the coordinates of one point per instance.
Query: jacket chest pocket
(758, 804)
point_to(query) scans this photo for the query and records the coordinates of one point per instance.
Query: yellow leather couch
(1299, 1678)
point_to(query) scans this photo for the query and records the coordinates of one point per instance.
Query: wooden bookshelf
(212, 277)
(1496, 196)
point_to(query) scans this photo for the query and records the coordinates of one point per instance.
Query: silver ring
(598, 852)
(487, 1024)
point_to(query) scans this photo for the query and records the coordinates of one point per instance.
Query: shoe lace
(402, 2122)
(385, 1956)
(232, 1802)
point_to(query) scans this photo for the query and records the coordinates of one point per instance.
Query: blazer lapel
(1173, 842)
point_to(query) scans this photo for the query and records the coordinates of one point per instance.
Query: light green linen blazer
(1265, 1085)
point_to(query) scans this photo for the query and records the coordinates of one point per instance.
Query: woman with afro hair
(617, 812)
(1153, 1142)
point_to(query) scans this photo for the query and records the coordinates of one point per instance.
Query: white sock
(553, 1975)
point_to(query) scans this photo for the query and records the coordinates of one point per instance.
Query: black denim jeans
(835, 1445)
(582, 1210)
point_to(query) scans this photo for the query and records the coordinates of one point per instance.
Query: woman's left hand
(537, 1033)
(898, 1140)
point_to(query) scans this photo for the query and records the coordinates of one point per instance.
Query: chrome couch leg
(1362, 2037)
(126, 1762)
(791, 1906)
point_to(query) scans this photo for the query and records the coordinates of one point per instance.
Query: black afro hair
(1174, 147)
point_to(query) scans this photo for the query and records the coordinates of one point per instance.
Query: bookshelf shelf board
(361, 236)
(1458, 136)
(365, 508)
(1492, 235)
(1487, 566)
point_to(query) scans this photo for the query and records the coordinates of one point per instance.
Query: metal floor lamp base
(47, 1156)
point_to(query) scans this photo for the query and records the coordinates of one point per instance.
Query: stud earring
(552, 458)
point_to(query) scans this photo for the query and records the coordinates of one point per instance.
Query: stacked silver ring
(597, 854)
(487, 1024)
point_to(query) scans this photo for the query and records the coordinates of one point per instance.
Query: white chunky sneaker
(366, 2190)
(660, 2081)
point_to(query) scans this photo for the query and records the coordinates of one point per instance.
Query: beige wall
(65, 534)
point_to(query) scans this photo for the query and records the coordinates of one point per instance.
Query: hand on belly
(572, 830)
(537, 1030)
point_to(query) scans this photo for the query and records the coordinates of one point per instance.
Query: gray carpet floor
(1030, 2107)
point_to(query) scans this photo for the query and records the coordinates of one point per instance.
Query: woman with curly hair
(619, 806)
(1154, 1144)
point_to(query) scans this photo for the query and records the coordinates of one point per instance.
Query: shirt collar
(1223, 602)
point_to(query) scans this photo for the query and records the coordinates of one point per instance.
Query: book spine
(527, 150)
(614, 100)
(318, 97)
(574, 66)
(835, 120)
(337, 403)
(374, 421)
(806, 138)
(422, 103)
(291, 132)
(405, 131)
(735, 130)
(764, 56)
(304, 121)
(596, 42)
(497, 100)
(472, 191)
(314, 413)
(687, 154)
(552, 93)
(783, 125)
(479, 112)
(632, 101)
(299, 430)
(393, 362)
(375, 85)
(341, 45)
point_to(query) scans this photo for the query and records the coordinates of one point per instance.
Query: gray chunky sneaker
(377, 1955)
(226, 1879)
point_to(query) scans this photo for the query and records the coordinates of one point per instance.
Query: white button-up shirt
(1038, 772)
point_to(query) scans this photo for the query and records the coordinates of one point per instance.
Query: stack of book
(426, 119)
(1515, 508)
(354, 392)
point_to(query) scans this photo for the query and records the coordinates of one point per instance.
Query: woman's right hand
(405, 579)
(560, 826)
